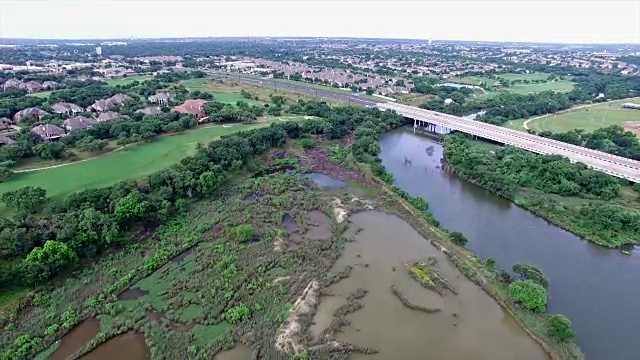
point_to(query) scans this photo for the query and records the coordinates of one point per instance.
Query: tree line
(612, 139)
(511, 168)
(44, 237)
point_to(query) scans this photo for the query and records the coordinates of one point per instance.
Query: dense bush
(560, 327)
(530, 294)
(513, 167)
(458, 238)
(531, 272)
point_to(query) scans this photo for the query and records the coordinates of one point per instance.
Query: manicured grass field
(133, 162)
(587, 118)
(128, 80)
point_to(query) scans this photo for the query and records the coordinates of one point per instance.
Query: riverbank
(476, 270)
(601, 211)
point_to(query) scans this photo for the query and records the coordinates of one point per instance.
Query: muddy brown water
(132, 293)
(471, 325)
(240, 352)
(128, 346)
(319, 226)
(76, 339)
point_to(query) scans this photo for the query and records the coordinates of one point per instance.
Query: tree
(49, 151)
(5, 173)
(130, 208)
(458, 238)
(530, 294)
(490, 264)
(531, 272)
(210, 180)
(560, 327)
(53, 256)
(28, 198)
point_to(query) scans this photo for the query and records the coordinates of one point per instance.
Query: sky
(526, 21)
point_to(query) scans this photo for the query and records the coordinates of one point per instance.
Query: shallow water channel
(470, 325)
(596, 288)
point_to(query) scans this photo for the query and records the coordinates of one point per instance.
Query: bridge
(607, 163)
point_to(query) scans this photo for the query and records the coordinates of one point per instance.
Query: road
(611, 164)
(300, 88)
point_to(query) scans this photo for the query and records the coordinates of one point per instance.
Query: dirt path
(526, 123)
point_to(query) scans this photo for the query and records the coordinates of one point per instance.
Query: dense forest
(530, 180)
(44, 237)
(612, 139)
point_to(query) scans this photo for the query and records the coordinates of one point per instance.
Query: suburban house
(50, 85)
(78, 123)
(13, 83)
(48, 132)
(34, 112)
(163, 99)
(5, 123)
(194, 107)
(5, 140)
(68, 109)
(108, 116)
(33, 86)
(150, 111)
(105, 104)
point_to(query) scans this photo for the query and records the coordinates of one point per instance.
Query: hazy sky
(541, 21)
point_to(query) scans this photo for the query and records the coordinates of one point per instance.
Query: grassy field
(42, 94)
(558, 85)
(128, 80)
(587, 118)
(229, 90)
(133, 162)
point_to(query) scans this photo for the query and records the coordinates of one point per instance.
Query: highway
(610, 164)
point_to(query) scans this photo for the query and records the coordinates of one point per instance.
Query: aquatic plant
(406, 302)
(429, 278)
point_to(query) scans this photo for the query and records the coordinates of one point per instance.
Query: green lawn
(557, 85)
(134, 162)
(587, 118)
(203, 84)
(42, 94)
(128, 80)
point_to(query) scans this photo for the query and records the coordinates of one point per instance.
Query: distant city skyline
(594, 22)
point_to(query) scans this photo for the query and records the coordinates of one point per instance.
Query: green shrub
(530, 294)
(560, 327)
(51, 329)
(307, 143)
(458, 238)
(238, 313)
(244, 232)
(531, 272)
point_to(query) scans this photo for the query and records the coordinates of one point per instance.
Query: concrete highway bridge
(610, 164)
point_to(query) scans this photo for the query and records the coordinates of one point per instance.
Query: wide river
(597, 288)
